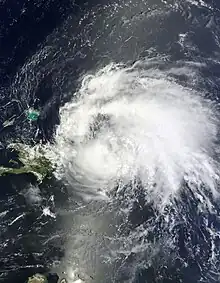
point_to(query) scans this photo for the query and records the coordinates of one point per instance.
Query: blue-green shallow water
(62, 50)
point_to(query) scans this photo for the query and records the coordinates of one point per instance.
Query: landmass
(33, 161)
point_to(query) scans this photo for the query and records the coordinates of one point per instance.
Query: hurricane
(138, 122)
(145, 135)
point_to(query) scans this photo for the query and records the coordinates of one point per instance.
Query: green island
(37, 278)
(49, 278)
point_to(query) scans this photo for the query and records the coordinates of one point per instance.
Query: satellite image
(110, 141)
